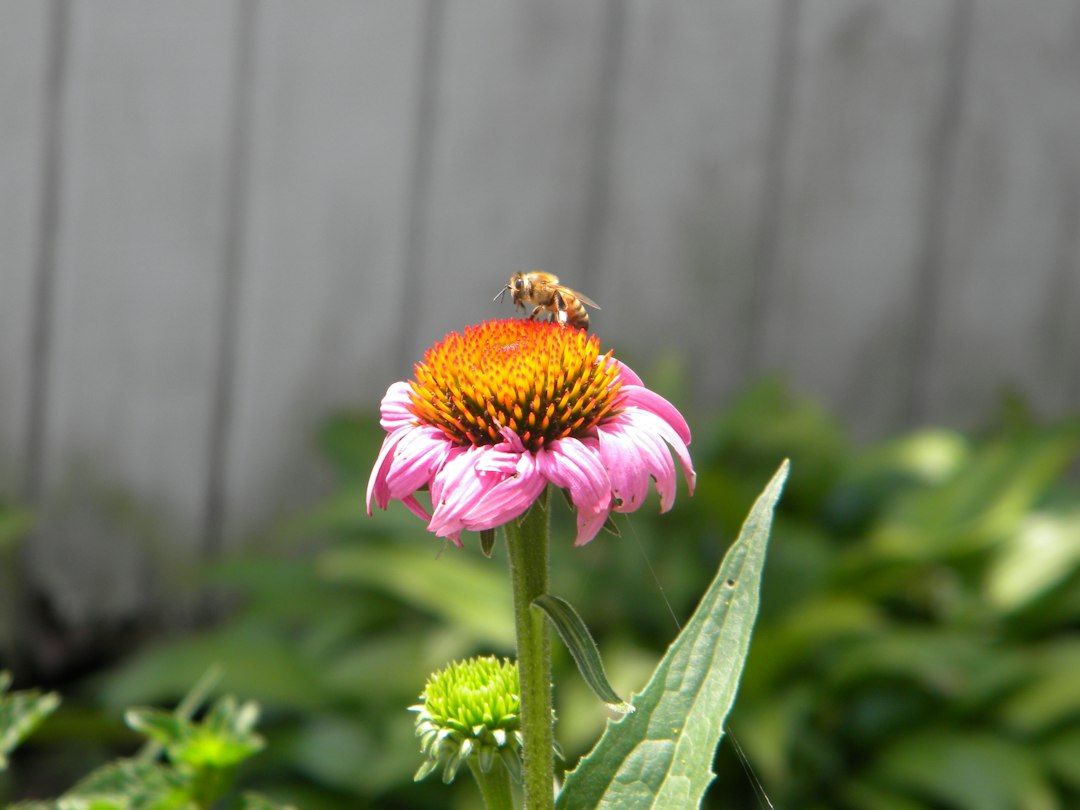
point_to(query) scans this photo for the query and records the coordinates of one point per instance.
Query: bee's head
(516, 286)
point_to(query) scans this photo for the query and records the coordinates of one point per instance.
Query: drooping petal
(452, 479)
(482, 488)
(416, 508)
(416, 459)
(395, 409)
(575, 465)
(625, 466)
(633, 450)
(632, 458)
(649, 423)
(501, 459)
(641, 397)
(673, 438)
(509, 497)
(377, 481)
(657, 457)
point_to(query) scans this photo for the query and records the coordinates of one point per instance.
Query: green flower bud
(470, 709)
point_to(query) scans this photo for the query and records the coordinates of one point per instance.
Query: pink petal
(626, 374)
(498, 460)
(510, 497)
(394, 408)
(452, 478)
(512, 439)
(416, 459)
(633, 449)
(651, 423)
(634, 457)
(625, 467)
(377, 481)
(641, 397)
(482, 488)
(657, 458)
(575, 465)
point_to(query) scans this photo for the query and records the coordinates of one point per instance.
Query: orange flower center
(542, 380)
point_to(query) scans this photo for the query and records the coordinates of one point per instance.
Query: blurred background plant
(186, 762)
(916, 647)
(15, 523)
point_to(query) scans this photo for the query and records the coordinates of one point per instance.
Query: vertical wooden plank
(321, 282)
(512, 126)
(137, 285)
(687, 167)
(868, 93)
(1010, 282)
(24, 95)
(1062, 339)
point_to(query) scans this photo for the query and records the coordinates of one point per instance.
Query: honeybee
(543, 291)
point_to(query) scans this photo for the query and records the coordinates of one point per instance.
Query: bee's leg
(560, 314)
(535, 312)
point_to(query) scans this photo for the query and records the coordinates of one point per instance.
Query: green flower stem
(494, 785)
(527, 546)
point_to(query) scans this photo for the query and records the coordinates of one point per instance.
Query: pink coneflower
(494, 415)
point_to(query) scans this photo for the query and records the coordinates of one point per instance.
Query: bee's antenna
(502, 292)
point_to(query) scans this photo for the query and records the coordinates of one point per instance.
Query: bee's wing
(582, 298)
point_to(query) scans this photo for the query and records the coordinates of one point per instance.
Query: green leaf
(223, 739)
(986, 499)
(1050, 698)
(20, 714)
(127, 783)
(1042, 554)
(161, 726)
(660, 756)
(1061, 753)
(575, 635)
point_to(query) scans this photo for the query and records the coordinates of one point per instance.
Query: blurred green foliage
(20, 713)
(15, 523)
(916, 646)
(186, 764)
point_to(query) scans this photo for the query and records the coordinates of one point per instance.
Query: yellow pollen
(542, 380)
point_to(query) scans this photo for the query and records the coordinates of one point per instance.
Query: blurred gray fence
(221, 220)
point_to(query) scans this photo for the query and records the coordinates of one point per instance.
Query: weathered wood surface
(137, 275)
(843, 299)
(320, 282)
(1008, 294)
(222, 220)
(24, 109)
(676, 255)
